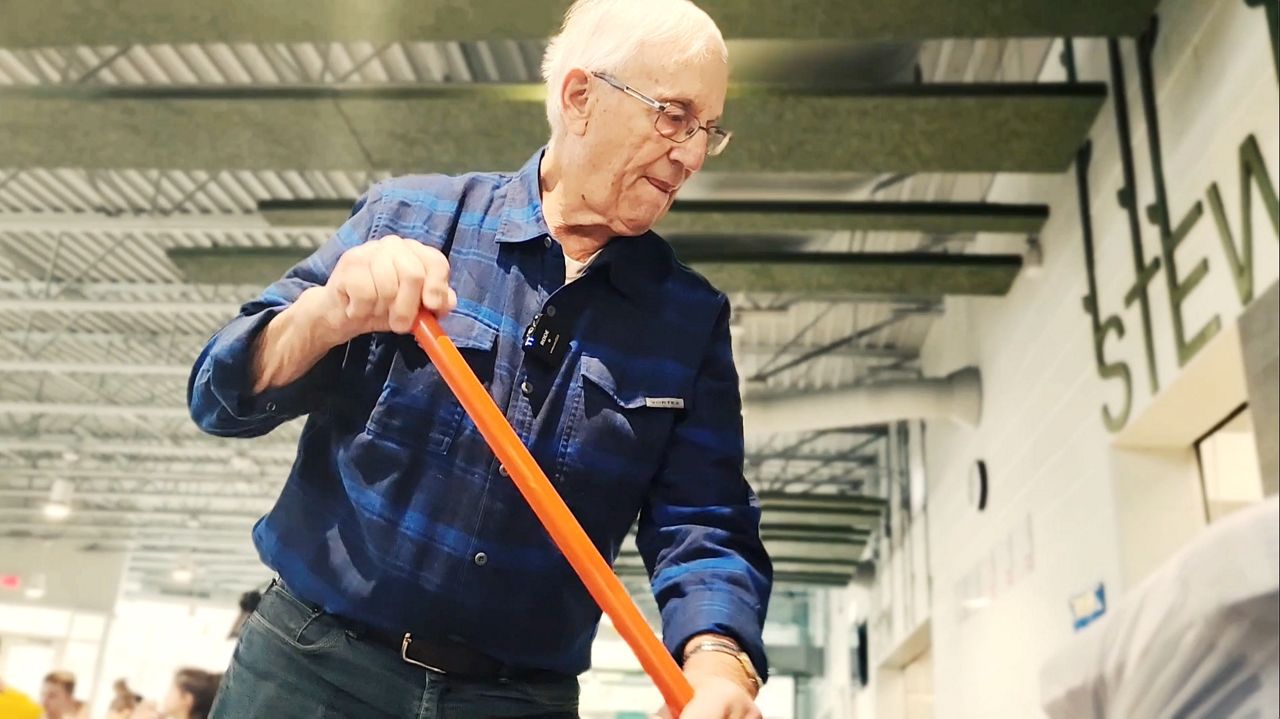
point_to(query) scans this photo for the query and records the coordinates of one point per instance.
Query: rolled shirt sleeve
(220, 393)
(699, 532)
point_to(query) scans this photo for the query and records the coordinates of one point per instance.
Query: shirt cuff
(231, 377)
(714, 613)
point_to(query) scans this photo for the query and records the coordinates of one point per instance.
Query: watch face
(978, 485)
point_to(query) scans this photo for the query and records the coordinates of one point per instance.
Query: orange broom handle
(554, 514)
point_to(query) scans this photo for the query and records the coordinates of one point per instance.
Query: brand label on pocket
(664, 402)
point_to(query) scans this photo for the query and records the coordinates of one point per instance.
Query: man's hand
(380, 286)
(716, 698)
(721, 688)
(376, 287)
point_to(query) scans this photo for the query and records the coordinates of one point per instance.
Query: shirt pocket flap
(629, 391)
(468, 332)
(416, 408)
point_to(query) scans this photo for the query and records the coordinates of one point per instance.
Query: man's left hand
(721, 688)
(716, 698)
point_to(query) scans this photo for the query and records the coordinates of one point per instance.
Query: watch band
(710, 645)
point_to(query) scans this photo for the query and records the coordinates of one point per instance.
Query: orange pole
(554, 514)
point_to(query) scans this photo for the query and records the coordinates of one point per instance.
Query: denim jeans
(293, 661)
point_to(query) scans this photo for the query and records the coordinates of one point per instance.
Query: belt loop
(404, 654)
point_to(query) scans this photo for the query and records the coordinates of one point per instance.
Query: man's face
(630, 174)
(55, 699)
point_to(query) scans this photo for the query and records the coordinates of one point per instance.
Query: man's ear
(575, 101)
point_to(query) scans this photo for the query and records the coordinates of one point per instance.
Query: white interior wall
(35, 640)
(1159, 506)
(1052, 465)
(917, 681)
(897, 607)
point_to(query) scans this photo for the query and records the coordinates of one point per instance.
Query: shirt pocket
(621, 424)
(417, 410)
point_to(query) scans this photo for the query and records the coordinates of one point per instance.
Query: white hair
(604, 35)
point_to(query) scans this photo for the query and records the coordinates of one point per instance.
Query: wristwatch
(711, 645)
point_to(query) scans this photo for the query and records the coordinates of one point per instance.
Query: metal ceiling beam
(796, 503)
(206, 555)
(143, 339)
(735, 217)
(22, 304)
(249, 574)
(98, 223)
(844, 473)
(787, 515)
(269, 468)
(244, 488)
(116, 368)
(306, 212)
(1005, 127)
(919, 274)
(831, 274)
(247, 21)
(205, 516)
(245, 545)
(108, 494)
(92, 410)
(849, 457)
(251, 265)
(72, 471)
(120, 532)
(171, 291)
(219, 449)
(142, 499)
(890, 354)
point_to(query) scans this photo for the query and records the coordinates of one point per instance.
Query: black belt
(447, 657)
(441, 656)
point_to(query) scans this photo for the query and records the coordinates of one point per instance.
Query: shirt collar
(522, 218)
(636, 265)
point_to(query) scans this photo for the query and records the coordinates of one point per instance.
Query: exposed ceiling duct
(957, 397)
(815, 540)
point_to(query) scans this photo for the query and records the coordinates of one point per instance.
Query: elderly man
(413, 579)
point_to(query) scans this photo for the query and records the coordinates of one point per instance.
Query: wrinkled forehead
(700, 84)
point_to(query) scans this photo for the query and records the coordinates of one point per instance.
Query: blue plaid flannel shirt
(395, 513)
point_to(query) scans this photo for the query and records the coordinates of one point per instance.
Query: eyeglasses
(673, 121)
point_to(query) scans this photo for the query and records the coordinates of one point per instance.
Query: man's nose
(692, 152)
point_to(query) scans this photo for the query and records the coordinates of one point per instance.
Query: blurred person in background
(124, 701)
(190, 697)
(414, 580)
(58, 697)
(16, 705)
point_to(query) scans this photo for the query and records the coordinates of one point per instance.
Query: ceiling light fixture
(36, 587)
(1033, 257)
(58, 507)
